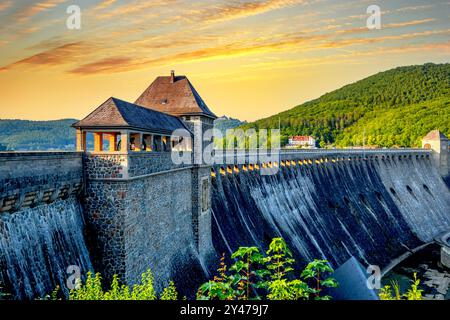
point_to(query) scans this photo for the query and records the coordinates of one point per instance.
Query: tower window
(205, 195)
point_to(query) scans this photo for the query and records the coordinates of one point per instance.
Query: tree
(279, 264)
(315, 271)
(396, 107)
(254, 276)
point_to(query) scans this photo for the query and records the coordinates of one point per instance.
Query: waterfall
(37, 245)
(374, 210)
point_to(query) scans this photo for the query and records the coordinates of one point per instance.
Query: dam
(373, 205)
(126, 205)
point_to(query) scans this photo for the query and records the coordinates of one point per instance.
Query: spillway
(372, 209)
(37, 245)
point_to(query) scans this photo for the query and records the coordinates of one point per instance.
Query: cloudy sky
(247, 58)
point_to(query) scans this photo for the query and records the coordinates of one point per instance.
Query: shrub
(92, 289)
(3, 295)
(254, 276)
(392, 292)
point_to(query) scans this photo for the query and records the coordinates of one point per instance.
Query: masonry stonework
(149, 218)
(32, 178)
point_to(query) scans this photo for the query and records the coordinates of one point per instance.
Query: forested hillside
(37, 135)
(392, 108)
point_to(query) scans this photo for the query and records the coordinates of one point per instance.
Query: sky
(247, 58)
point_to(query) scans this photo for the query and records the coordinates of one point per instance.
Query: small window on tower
(205, 195)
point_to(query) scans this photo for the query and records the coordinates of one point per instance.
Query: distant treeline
(24, 135)
(224, 123)
(392, 108)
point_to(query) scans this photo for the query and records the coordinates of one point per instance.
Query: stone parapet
(31, 178)
(124, 166)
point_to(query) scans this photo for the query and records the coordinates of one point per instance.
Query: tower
(175, 95)
(438, 142)
(143, 208)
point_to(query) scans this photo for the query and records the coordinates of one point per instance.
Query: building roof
(435, 135)
(301, 138)
(116, 113)
(174, 95)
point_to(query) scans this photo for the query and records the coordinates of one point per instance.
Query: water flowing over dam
(374, 209)
(38, 245)
(41, 222)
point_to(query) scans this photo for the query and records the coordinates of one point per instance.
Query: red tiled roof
(301, 138)
(435, 135)
(175, 96)
(118, 113)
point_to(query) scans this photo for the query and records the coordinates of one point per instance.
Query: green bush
(92, 289)
(254, 276)
(392, 292)
(3, 295)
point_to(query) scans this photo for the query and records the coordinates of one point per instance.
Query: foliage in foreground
(254, 276)
(3, 296)
(92, 289)
(393, 292)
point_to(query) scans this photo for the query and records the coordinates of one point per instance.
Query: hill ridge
(395, 107)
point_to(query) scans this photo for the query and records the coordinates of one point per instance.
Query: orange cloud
(60, 55)
(104, 4)
(32, 10)
(387, 26)
(349, 42)
(277, 42)
(237, 9)
(106, 65)
(5, 5)
(135, 8)
(408, 23)
(222, 51)
(415, 8)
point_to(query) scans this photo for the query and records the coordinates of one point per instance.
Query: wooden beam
(113, 142)
(98, 141)
(124, 142)
(81, 140)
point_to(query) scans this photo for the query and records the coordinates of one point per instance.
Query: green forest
(23, 135)
(392, 108)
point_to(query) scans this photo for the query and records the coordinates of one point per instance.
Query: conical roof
(116, 113)
(435, 135)
(174, 95)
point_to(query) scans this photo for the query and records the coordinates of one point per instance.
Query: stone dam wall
(143, 211)
(373, 205)
(125, 213)
(41, 221)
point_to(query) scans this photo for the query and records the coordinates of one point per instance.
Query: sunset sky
(248, 59)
